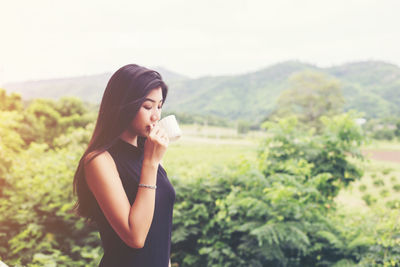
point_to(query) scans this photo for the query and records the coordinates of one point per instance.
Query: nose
(155, 116)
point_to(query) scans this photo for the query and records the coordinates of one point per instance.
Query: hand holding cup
(171, 126)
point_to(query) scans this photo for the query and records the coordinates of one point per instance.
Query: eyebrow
(152, 100)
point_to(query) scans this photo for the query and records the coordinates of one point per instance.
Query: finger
(153, 131)
(167, 139)
(159, 133)
(162, 132)
(157, 129)
(164, 141)
(162, 137)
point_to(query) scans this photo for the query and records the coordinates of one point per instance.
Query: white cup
(170, 124)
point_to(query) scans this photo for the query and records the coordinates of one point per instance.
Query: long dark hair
(125, 93)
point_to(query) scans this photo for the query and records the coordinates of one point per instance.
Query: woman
(120, 183)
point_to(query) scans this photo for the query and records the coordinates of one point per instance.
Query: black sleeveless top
(156, 251)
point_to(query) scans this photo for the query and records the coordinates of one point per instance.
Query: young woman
(120, 183)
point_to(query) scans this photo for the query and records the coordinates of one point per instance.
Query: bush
(277, 212)
(396, 187)
(36, 221)
(274, 214)
(386, 171)
(362, 188)
(384, 193)
(243, 127)
(369, 199)
(379, 182)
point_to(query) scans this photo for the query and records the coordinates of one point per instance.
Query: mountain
(248, 96)
(372, 87)
(89, 88)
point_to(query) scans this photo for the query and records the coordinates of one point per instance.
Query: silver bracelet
(148, 186)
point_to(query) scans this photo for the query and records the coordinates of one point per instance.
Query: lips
(149, 127)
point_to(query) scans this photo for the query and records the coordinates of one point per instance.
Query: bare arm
(131, 223)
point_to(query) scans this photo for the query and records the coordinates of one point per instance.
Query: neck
(129, 138)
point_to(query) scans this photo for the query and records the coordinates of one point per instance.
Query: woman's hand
(155, 146)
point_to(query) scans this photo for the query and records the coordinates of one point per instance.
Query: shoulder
(99, 161)
(97, 156)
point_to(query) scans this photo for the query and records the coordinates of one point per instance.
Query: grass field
(382, 145)
(380, 185)
(194, 156)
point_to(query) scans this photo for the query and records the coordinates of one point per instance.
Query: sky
(46, 39)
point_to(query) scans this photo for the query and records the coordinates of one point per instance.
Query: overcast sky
(52, 38)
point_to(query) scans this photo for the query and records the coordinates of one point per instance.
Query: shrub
(384, 193)
(369, 199)
(36, 220)
(379, 182)
(393, 204)
(274, 215)
(396, 187)
(386, 171)
(362, 188)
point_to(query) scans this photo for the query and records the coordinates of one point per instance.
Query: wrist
(150, 164)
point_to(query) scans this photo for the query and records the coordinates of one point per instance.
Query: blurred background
(290, 112)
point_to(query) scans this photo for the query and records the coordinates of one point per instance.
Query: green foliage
(245, 219)
(383, 128)
(384, 228)
(275, 215)
(379, 182)
(397, 130)
(396, 187)
(278, 213)
(11, 102)
(243, 127)
(384, 134)
(369, 199)
(287, 146)
(310, 96)
(37, 225)
(36, 218)
(362, 188)
(384, 193)
(393, 204)
(386, 171)
(44, 119)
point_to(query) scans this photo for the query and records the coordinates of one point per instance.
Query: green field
(196, 156)
(380, 185)
(383, 145)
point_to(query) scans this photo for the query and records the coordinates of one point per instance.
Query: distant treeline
(371, 87)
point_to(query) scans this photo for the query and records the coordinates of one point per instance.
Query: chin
(144, 134)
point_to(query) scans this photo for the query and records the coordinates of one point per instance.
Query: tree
(310, 95)
(10, 102)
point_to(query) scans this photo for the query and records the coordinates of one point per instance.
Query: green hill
(249, 96)
(89, 88)
(372, 87)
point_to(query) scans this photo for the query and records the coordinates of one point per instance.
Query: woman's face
(149, 113)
